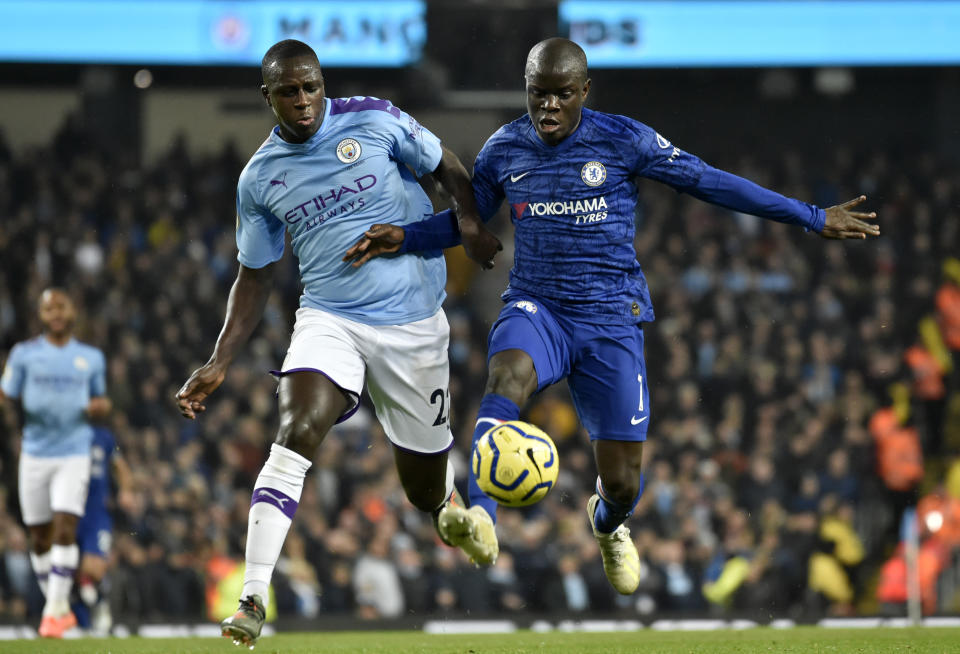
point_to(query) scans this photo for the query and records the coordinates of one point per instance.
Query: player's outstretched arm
(244, 309)
(842, 223)
(437, 232)
(478, 241)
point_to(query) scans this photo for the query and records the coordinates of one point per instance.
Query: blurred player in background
(61, 385)
(327, 172)
(577, 298)
(95, 531)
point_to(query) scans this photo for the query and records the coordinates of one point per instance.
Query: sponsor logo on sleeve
(527, 306)
(665, 144)
(414, 129)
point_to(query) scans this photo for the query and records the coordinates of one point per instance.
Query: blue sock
(610, 515)
(82, 613)
(494, 409)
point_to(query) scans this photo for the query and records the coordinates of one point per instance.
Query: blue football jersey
(330, 189)
(101, 453)
(573, 209)
(54, 385)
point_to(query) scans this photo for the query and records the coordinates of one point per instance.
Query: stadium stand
(795, 386)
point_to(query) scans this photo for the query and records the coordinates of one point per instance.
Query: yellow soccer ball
(515, 463)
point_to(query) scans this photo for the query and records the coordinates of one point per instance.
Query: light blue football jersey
(330, 189)
(54, 385)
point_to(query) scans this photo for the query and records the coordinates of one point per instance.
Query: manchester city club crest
(348, 150)
(593, 173)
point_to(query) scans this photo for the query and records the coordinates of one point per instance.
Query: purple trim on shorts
(346, 416)
(277, 498)
(409, 451)
(348, 105)
(356, 400)
(63, 572)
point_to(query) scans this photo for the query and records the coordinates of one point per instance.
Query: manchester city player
(330, 169)
(577, 298)
(61, 385)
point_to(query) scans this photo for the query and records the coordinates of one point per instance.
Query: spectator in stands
(731, 364)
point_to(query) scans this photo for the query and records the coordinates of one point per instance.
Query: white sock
(41, 567)
(64, 560)
(88, 592)
(275, 498)
(451, 477)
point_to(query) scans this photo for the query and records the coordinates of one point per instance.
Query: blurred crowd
(773, 353)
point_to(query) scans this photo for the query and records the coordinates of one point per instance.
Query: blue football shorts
(603, 365)
(95, 532)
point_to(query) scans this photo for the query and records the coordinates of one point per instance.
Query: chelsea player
(95, 531)
(61, 385)
(577, 298)
(330, 169)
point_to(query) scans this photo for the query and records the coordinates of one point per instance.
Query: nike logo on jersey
(636, 421)
(279, 500)
(517, 178)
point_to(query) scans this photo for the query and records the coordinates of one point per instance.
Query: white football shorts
(48, 485)
(405, 366)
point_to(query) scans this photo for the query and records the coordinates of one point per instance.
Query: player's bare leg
(428, 483)
(424, 478)
(511, 379)
(511, 373)
(618, 489)
(309, 405)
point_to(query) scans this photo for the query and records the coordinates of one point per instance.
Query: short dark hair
(557, 52)
(54, 290)
(286, 49)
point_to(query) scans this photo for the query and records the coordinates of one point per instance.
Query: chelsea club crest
(593, 173)
(348, 150)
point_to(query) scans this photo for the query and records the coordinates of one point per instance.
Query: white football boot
(621, 561)
(472, 530)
